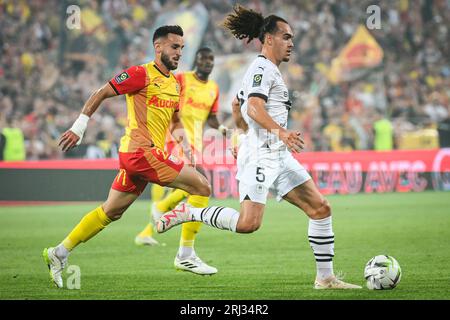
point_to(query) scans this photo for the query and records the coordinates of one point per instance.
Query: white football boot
(174, 217)
(146, 241)
(334, 282)
(55, 266)
(195, 265)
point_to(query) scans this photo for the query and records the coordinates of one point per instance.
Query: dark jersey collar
(156, 67)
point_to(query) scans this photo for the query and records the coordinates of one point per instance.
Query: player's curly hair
(246, 23)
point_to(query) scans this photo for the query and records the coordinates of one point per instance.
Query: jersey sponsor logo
(162, 103)
(197, 105)
(122, 77)
(257, 79)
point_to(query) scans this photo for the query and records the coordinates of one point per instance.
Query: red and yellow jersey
(152, 98)
(198, 99)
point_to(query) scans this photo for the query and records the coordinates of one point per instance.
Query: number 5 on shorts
(260, 177)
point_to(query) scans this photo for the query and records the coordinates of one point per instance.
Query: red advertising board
(333, 172)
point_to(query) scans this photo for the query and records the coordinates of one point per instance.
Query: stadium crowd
(47, 71)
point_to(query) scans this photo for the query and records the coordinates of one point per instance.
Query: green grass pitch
(276, 262)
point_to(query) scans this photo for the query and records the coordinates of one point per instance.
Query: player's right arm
(262, 81)
(130, 80)
(73, 136)
(257, 111)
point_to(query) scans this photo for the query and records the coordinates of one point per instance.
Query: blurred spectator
(435, 110)
(444, 133)
(2, 138)
(14, 149)
(383, 133)
(333, 133)
(2, 145)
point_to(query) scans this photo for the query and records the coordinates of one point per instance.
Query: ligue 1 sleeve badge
(257, 78)
(122, 77)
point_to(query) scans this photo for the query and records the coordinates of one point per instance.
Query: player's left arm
(239, 120)
(212, 120)
(241, 126)
(176, 128)
(177, 131)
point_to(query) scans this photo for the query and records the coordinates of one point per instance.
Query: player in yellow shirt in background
(199, 102)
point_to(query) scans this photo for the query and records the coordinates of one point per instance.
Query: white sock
(184, 252)
(61, 251)
(217, 217)
(321, 239)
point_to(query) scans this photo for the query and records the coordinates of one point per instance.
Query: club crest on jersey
(257, 78)
(158, 82)
(122, 77)
(260, 188)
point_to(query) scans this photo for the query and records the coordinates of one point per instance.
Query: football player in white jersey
(265, 157)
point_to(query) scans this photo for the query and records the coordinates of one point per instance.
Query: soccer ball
(382, 272)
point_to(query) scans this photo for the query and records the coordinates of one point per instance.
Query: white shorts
(256, 176)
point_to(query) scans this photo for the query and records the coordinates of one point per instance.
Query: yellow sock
(157, 192)
(91, 224)
(171, 201)
(147, 232)
(198, 201)
(189, 230)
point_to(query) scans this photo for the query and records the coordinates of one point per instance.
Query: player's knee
(207, 190)
(322, 212)
(204, 190)
(248, 226)
(327, 208)
(114, 213)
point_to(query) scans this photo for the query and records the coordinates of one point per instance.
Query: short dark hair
(246, 23)
(203, 49)
(165, 30)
